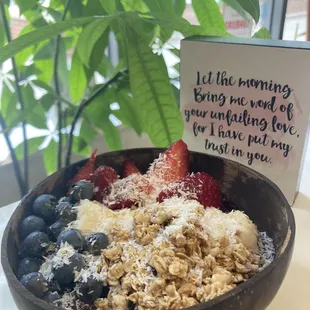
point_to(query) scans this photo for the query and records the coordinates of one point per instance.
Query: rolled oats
(160, 268)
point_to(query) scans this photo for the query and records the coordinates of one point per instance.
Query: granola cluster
(170, 261)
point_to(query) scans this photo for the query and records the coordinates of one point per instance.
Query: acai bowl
(149, 229)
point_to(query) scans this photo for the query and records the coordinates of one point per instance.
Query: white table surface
(294, 293)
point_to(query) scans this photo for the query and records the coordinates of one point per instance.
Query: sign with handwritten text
(248, 100)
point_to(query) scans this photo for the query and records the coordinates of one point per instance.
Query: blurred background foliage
(80, 68)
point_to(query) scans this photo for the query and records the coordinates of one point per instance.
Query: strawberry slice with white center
(200, 186)
(172, 165)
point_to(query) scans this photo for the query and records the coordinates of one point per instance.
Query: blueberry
(106, 290)
(73, 237)
(154, 271)
(55, 229)
(64, 274)
(82, 190)
(35, 283)
(90, 290)
(131, 305)
(44, 207)
(94, 243)
(30, 224)
(34, 245)
(65, 212)
(65, 199)
(28, 265)
(53, 286)
(52, 298)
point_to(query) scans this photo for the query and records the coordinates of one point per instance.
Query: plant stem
(57, 89)
(18, 174)
(20, 100)
(84, 105)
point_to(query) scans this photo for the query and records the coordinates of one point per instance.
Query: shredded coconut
(266, 248)
(93, 269)
(67, 301)
(46, 269)
(62, 256)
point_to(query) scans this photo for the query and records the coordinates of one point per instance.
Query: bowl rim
(14, 282)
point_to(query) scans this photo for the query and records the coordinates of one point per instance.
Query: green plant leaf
(76, 8)
(6, 98)
(262, 33)
(51, 91)
(134, 5)
(128, 113)
(63, 72)
(33, 15)
(93, 8)
(37, 116)
(78, 79)
(250, 6)
(27, 71)
(153, 93)
(54, 13)
(39, 35)
(209, 14)
(81, 146)
(176, 92)
(50, 157)
(47, 101)
(149, 29)
(22, 56)
(175, 51)
(111, 135)
(99, 109)
(90, 36)
(98, 51)
(179, 6)
(25, 5)
(33, 146)
(109, 6)
(46, 68)
(177, 67)
(45, 51)
(30, 114)
(3, 38)
(105, 68)
(162, 6)
(87, 132)
(56, 4)
(179, 24)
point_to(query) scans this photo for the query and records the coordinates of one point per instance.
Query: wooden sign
(248, 100)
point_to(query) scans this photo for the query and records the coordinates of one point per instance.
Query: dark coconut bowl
(243, 188)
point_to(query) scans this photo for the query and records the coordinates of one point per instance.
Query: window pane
(295, 20)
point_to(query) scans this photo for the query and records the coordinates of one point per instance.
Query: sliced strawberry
(102, 178)
(173, 164)
(121, 203)
(85, 171)
(146, 186)
(200, 186)
(130, 168)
